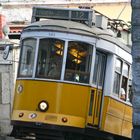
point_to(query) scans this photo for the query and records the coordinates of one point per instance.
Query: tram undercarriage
(39, 131)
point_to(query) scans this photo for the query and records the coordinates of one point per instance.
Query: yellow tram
(70, 78)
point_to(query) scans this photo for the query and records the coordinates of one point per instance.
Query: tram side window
(50, 57)
(27, 57)
(130, 90)
(99, 68)
(121, 79)
(78, 62)
(124, 83)
(117, 78)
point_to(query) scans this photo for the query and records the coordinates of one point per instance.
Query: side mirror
(6, 52)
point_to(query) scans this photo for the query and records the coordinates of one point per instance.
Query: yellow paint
(90, 118)
(93, 119)
(71, 101)
(117, 117)
(49, 118)
(63, 98)
(127, 129)
(116, 108)
(97, 107)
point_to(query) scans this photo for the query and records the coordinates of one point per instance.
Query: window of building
(27, 57)
(50, 58)
(78, 62)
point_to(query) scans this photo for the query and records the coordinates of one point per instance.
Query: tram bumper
(28, 123)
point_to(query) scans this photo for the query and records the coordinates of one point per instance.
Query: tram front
(53, 82)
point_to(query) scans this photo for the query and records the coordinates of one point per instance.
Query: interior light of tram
(78, 61)
(59, 52)
(60, 48)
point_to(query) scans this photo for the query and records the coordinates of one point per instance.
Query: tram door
(97, 89)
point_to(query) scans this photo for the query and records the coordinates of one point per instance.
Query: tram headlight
(43, 106)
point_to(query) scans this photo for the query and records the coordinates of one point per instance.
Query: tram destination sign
(66, 14)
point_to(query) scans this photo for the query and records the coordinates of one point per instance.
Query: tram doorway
(96, 91)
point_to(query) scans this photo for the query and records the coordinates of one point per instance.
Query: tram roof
(76, 28)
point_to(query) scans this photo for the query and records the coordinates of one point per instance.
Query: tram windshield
(27, 57)
(52, 63)
(78, 62)
(50, 58)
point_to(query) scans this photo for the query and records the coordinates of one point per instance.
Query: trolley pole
(136, 68)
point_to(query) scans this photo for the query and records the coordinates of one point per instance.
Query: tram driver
(53, 72)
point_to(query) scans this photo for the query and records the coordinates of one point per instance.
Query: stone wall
(8, 70)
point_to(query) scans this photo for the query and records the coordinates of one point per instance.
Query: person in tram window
(53, 72)
(122, 94)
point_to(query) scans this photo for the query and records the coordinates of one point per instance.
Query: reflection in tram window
(99, 69)
(27, 57)
(125, 70)
(117, 77)
(50, 58)
(78, 62)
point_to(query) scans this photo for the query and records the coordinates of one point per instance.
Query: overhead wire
(122, 11)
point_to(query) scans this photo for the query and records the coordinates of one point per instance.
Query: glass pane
(78, 62)
(129, 97)
(91, 102)
(118, 65)
(27, 57)
(102, 70)
(125, 69)
(50, 58)
(116, 83)
(124, 88)
(96, 68)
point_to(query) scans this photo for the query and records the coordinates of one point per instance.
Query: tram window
(50, 57)
(27, 57)
(78, 62)
(121, 80)
(117, 77)
(101, 77)
(95, 76)
(116, 83)
(99, 69)
(124, 84)
(118, 65)
(125, 70)
(130, 92)
(123, 88)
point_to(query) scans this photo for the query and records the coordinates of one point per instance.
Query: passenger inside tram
(53, 71)
(123, 88)
(123, 94)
